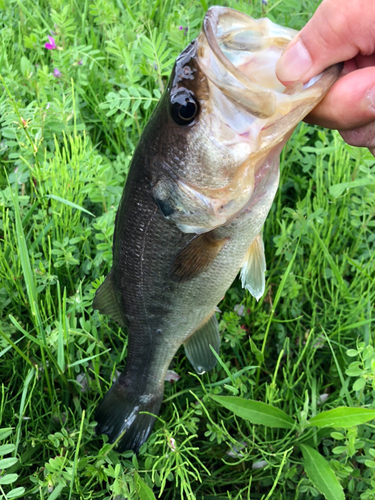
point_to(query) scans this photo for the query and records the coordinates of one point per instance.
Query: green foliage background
(65, 146)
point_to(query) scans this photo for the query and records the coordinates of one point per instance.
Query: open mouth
(238, 54)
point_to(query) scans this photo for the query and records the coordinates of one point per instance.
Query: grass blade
(321, 475)
(28, 379)
(69, 203)
(76, 454)
(80, 361)
(15, 347)
(343, 416)
(331, 262)
(256, 412)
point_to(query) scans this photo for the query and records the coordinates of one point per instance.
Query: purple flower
(264, 2)
(80, 62)
(51, 45)
(56, 73)
(180, 27)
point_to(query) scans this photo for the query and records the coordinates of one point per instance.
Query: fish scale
(200, 186)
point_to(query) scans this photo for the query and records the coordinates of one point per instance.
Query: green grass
(65, 148)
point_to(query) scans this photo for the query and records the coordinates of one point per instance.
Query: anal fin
(105, 301)
(252, 272)
(197, 347)
(196, 257)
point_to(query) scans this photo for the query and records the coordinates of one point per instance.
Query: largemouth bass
(200, 186)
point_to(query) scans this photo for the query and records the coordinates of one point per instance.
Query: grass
(65, 147)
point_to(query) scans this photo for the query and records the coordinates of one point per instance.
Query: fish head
(228, 117)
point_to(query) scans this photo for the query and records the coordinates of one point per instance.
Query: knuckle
(361, 136)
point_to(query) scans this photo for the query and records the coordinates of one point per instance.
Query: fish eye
(184, 107)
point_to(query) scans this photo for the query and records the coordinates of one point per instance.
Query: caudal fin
(119, 415)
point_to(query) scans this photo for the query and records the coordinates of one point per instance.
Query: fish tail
(119, 416)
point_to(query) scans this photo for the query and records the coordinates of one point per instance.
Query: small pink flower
(171, 376)
(51, 45)
(56, 73)
(172, 444)
(185, 29)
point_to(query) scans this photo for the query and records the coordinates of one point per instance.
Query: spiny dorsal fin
(252, 272)
(105, 301)
(196, 257)
(197, 347)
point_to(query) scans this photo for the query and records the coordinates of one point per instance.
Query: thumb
(338, 31)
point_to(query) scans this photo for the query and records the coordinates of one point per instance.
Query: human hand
(340, 30)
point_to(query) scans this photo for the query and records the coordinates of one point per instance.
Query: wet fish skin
(194, 203)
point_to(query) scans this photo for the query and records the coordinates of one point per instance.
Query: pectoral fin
(252, 272)
(196, 257)
(197, 347)
(105, 301)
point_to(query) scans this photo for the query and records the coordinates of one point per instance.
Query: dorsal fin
(252, 272)
(196, 257)
(197, 347)
(105, 301)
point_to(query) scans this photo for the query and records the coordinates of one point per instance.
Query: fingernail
(294, 63)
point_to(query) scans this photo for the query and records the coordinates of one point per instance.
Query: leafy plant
(317, 468)
(6, 478)
(305, 349)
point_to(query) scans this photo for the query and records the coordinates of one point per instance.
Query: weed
(70, 117)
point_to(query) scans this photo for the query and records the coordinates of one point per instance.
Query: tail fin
(119, 415)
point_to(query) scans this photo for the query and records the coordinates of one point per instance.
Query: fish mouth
(238, 55)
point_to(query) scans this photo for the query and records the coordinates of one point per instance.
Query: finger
(364, 61)
(338, 31)
(349, 104)
(361, 136)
